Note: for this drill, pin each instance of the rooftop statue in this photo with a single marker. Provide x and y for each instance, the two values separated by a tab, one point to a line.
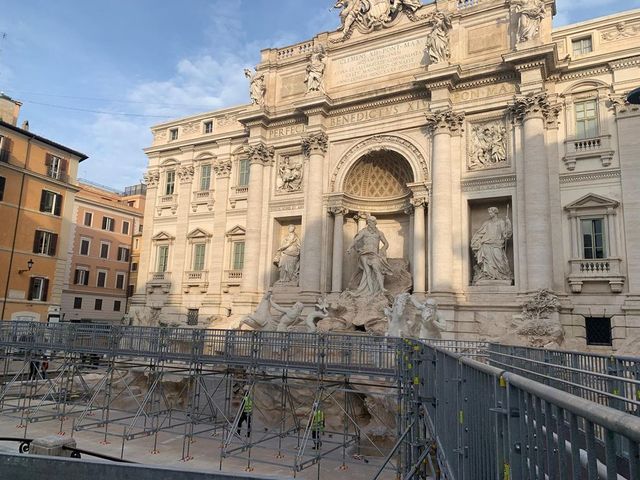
369	15
257	86
531	14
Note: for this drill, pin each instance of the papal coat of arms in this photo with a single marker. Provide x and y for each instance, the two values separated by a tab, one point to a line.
368	15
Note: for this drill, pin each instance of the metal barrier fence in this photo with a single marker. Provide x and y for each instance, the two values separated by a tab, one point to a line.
491	424
613	381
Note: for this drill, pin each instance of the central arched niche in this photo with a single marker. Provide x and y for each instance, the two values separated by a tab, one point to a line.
379	174
377	184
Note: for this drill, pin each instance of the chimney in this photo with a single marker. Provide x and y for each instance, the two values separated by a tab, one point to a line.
25	125
9	109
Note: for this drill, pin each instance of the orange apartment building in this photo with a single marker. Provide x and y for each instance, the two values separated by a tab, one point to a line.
98	281
38	183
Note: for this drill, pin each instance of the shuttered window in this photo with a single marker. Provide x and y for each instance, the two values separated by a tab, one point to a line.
38	289
2	183
51	202
45	243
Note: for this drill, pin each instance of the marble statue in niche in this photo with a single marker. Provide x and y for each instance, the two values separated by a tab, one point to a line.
531	13
437	46
287	258
257	87
488	146
289	174
315	70
489	244
372	260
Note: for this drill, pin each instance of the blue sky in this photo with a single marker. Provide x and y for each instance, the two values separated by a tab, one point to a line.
156	59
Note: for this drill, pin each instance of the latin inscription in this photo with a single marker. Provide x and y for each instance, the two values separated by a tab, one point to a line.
378	113
399	57
483	92
287	131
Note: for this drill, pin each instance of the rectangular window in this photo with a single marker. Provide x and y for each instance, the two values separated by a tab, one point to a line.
98	304
130	291
77	303
238	256
134	267
45	243
102	279
208	127
5	149
586	119
163	258
108	224
170	184
88	219
198	257
38	288
51	202
582	46
192	316
117	305
81	277
104	250
85	246
598	331
244	166
125	228
56	166
205	177
120	281
123	254
173	134
593	244
2	183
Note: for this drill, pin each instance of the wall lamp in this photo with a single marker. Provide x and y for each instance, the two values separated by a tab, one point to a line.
29	267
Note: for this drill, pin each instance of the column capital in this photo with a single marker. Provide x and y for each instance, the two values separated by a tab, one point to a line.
222	168
186	173
315	143
335	211
260	153
417	202
445	121
535	104
151	178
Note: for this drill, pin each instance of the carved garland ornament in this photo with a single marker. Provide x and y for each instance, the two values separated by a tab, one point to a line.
151	178
260	153
222	168
376	144
186	174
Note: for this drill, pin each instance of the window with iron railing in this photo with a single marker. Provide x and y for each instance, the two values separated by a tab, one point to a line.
586	119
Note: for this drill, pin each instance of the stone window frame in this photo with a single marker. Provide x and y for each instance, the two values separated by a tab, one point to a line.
106	278
82	240
198	237
235	235
162	239
122	275
207	127
579	39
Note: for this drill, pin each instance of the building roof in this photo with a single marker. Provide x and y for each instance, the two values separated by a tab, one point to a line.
27	133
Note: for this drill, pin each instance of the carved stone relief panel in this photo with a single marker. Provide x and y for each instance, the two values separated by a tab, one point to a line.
289	174
487	145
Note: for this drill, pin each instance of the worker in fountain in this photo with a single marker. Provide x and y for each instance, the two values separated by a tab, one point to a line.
247	411
372	259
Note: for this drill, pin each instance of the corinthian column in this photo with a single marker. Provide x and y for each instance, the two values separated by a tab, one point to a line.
534	110
419	245
338	248
314	148
442	125
259	155
222	170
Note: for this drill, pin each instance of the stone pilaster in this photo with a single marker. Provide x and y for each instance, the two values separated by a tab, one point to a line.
534	111
314	148
222	171
260	155
338	248
442	125
152	179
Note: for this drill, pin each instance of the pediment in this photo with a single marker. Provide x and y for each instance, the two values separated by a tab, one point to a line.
198	233
236	231
162	236
592	201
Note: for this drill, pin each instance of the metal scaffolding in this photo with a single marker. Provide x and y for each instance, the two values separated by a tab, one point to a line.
457	416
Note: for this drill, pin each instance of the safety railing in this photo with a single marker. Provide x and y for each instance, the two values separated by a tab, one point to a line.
613	381
490	423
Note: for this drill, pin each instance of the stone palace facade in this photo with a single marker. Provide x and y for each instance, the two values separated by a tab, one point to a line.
497	155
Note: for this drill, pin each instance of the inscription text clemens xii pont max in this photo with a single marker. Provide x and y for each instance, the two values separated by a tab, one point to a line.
387	60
